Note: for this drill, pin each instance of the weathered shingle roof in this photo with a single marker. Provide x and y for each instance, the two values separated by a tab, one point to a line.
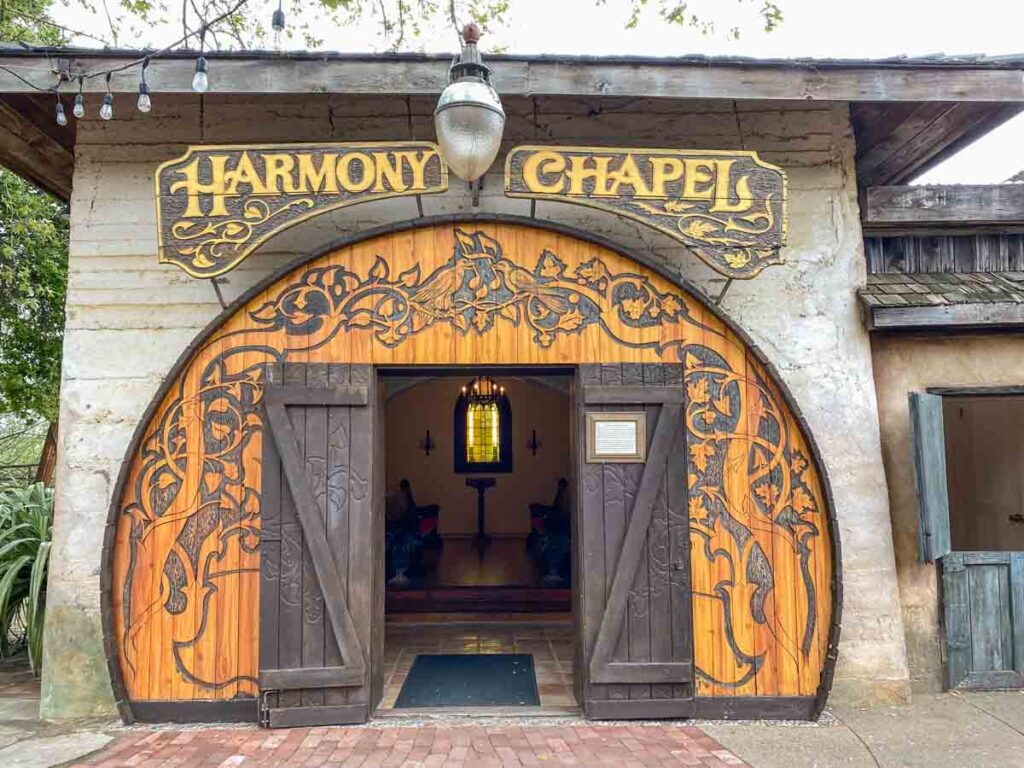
931	289
931	300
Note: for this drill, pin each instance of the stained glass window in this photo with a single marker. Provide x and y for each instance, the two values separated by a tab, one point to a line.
483	433
482	428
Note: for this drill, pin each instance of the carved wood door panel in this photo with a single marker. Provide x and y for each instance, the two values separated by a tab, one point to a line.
633	563
318	587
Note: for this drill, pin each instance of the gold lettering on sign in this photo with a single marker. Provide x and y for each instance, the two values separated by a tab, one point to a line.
728	207
215	205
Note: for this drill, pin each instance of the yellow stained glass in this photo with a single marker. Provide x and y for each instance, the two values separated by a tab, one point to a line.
483	433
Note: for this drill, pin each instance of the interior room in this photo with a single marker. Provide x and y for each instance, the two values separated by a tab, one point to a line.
985	472
478	539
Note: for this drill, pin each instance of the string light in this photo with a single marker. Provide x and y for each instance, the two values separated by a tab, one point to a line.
62	119
200	80
79	109
144	103
107	110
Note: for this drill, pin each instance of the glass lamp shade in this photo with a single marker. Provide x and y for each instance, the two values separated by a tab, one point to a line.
470	122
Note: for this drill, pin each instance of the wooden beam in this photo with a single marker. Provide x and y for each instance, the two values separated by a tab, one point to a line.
409	74
954	205
33	154
883	130
924	137
978	126
632	395
980	315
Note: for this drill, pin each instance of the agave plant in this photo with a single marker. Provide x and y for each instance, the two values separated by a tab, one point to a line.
26	520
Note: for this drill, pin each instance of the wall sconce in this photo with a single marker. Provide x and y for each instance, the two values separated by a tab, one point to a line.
533	443
427	443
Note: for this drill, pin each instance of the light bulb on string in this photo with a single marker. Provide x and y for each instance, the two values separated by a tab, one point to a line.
200	80
62	118
78	110
144	103
107	110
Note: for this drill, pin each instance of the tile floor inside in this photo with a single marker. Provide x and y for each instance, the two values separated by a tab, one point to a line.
549	642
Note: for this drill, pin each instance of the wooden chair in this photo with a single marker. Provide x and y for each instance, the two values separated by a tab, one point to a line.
410	530
428	515
540	514
549	541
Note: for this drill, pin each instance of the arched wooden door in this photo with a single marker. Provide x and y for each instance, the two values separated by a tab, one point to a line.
184	549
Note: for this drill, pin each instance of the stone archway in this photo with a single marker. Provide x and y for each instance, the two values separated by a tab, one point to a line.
183	544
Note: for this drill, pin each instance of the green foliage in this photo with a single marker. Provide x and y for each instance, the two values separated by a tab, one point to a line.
400	23
33	278
680	14
26	521
27	21
21	445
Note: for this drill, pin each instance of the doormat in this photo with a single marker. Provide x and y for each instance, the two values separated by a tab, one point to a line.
470	680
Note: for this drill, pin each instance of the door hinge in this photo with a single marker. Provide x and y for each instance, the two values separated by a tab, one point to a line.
264	718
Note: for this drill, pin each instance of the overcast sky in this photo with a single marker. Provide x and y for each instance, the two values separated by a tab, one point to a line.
817	28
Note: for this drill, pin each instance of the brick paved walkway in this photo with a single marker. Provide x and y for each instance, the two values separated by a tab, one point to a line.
597	745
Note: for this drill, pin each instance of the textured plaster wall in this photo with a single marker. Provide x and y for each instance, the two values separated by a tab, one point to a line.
906	364
129	317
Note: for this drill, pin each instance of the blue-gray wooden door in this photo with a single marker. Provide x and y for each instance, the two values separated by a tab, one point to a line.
983	602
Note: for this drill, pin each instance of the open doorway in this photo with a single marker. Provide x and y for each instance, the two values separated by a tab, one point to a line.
985	459
968	448
478	544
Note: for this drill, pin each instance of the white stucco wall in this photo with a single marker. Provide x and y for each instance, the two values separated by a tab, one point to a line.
129	317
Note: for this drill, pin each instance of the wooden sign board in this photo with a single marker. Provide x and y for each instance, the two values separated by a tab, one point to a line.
216	204
729	208
616	437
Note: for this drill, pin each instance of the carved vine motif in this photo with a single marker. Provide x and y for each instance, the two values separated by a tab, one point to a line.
217	240
738	239
192	512
477	288
218	524
733	418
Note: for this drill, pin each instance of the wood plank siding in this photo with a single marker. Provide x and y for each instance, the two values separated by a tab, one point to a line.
937	252
945	205
186	548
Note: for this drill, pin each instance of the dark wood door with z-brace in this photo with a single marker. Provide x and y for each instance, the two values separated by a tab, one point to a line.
320	604
635	658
